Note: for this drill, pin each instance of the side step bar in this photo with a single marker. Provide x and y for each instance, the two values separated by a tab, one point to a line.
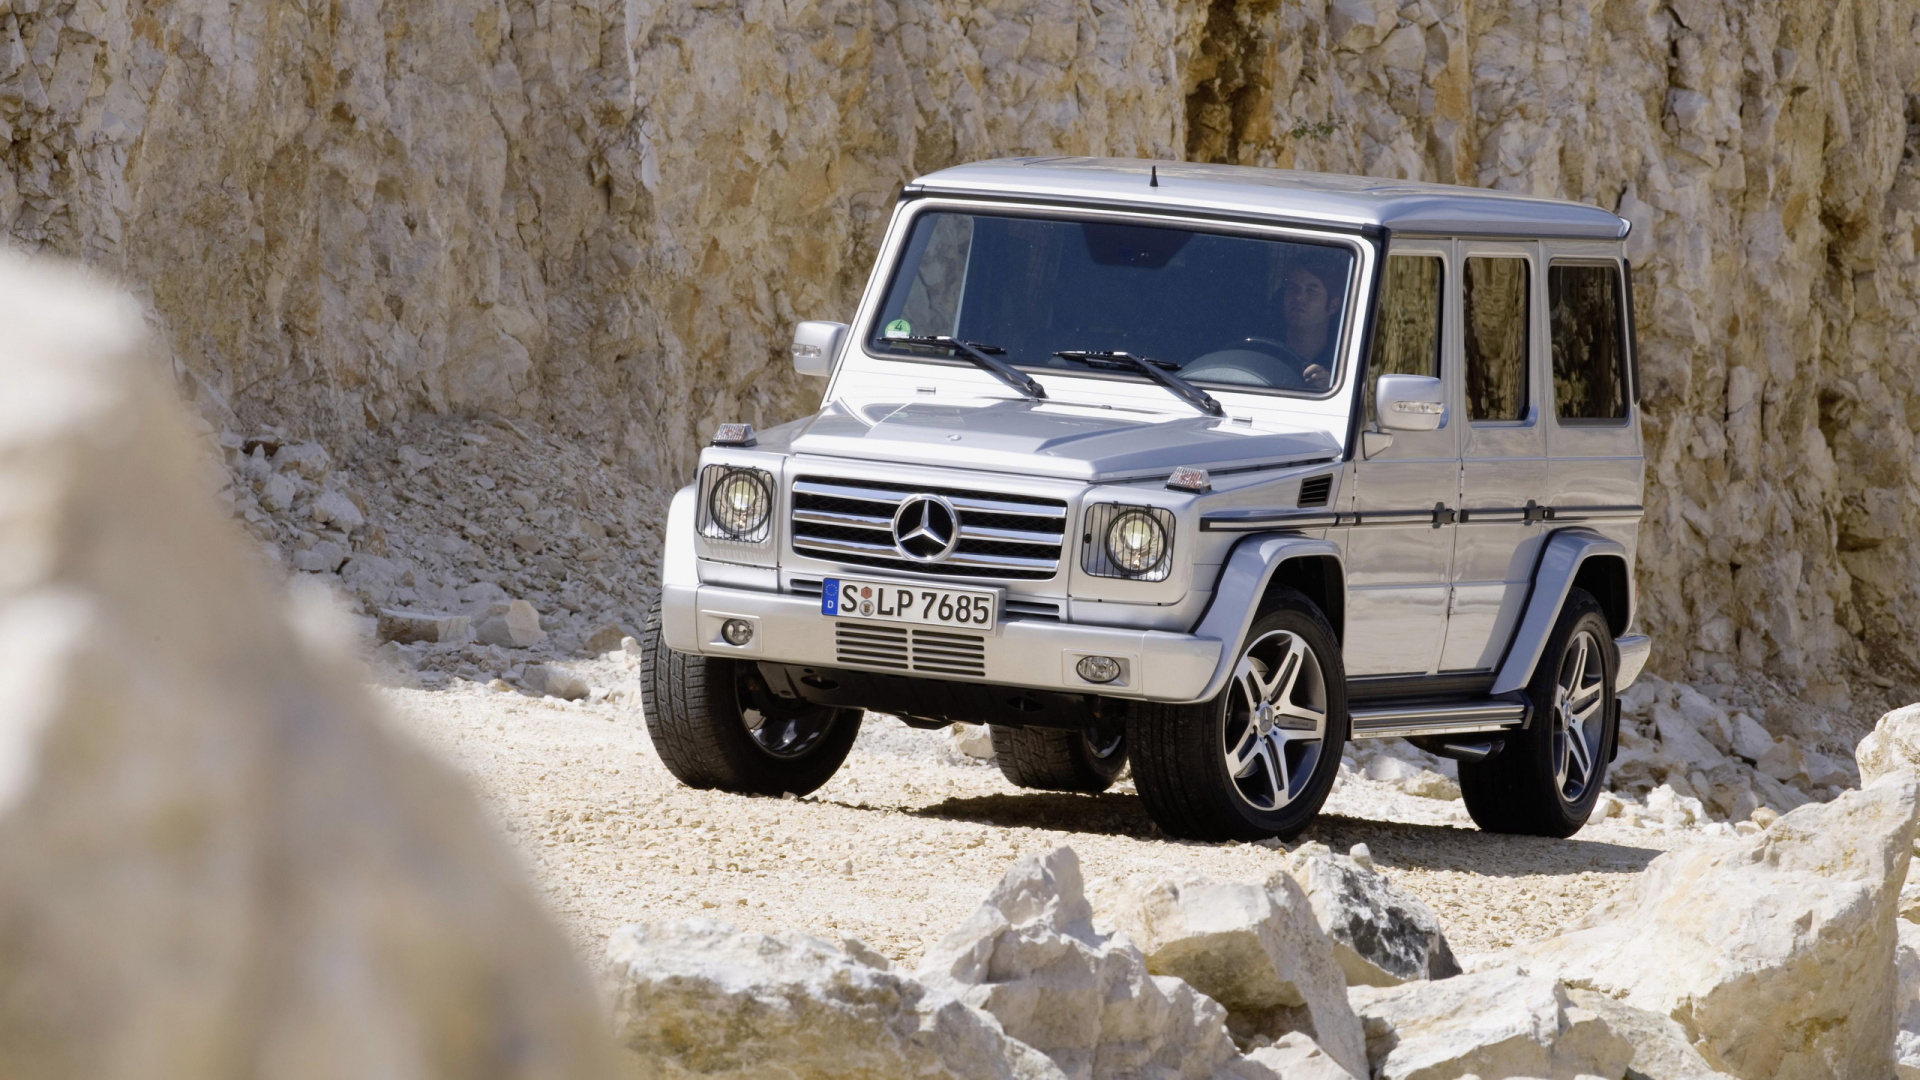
1458	718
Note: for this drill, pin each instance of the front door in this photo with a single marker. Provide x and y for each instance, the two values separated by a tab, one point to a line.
1400	547
1503	466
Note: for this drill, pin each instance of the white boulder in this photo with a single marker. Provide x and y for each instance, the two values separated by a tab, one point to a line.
698	998
555	681
1750	740
1906	1036
973	740
515	624
336	509
1257	950
1382	935
1031	957
214	859
1894	743
1661	1049
1774	951
1294	1056
1495	1023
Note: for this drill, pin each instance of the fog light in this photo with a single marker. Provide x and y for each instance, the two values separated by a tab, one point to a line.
736	631
1098	669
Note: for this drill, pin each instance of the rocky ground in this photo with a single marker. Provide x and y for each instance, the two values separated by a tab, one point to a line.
902	843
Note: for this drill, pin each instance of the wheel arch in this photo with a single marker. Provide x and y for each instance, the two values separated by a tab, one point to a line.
1570	557
1246	589
1605	575
1320	578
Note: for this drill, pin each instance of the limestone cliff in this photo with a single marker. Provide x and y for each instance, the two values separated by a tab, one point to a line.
605	217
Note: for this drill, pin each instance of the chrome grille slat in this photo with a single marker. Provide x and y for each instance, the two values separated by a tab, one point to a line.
1016	537
1012	536
960	502
852	521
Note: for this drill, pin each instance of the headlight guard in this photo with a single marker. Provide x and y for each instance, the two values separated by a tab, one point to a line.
736	504
1131	542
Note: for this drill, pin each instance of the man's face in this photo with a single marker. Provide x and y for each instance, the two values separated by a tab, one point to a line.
1303	299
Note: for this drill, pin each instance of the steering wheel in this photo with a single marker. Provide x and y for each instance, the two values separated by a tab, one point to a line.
1226	369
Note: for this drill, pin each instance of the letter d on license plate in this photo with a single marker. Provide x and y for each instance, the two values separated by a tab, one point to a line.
895	601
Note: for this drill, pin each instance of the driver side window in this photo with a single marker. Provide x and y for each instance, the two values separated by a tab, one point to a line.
1406	334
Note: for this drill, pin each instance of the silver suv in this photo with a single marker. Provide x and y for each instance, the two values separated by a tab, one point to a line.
1205	468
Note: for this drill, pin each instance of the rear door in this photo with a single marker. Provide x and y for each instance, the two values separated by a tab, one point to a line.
1594	473
1399	549
1503	460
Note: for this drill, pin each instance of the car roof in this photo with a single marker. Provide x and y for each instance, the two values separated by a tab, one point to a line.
1401	206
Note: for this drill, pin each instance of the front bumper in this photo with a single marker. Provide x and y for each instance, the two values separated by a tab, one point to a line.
1038	654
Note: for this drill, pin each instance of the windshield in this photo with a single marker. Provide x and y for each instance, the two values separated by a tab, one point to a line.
1240	312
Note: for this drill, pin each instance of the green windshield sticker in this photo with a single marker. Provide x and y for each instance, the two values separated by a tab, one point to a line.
898	328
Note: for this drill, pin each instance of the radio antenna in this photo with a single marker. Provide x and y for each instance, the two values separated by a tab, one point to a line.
1154	179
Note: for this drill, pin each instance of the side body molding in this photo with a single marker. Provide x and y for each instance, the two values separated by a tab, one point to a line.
1236	597
680	576
1560	563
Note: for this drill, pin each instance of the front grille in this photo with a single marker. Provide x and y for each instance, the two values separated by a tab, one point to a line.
1001	536
901	648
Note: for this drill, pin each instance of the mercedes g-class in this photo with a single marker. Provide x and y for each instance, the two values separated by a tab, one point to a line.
1204	469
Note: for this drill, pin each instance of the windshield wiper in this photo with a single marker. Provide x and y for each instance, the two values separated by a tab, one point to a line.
978	353
1160	371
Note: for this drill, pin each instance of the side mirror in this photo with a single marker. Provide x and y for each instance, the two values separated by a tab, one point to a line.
815	344
1410	402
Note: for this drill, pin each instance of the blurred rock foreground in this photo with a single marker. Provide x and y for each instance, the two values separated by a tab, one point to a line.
214	862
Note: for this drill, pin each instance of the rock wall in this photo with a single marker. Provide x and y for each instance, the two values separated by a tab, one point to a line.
604	217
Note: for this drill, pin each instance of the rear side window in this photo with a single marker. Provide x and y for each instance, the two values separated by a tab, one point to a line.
1588	342
1406	340
1496	338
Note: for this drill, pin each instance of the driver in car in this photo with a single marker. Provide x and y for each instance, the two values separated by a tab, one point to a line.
1302	311
1310	298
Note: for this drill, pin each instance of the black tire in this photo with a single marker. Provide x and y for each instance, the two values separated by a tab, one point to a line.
1180	752
698	710
1055	759
1536	786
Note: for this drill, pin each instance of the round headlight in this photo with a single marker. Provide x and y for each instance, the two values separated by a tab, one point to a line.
740	503
1136	542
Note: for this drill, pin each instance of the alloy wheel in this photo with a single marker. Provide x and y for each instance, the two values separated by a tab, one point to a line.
1579	699
1276	720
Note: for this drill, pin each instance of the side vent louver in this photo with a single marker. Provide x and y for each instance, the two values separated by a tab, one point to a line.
1315	489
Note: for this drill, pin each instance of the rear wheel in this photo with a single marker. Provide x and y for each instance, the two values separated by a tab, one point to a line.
1054	759
1546	780
1258	760
715	724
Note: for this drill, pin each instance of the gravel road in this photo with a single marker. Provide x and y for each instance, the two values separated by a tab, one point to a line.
903	842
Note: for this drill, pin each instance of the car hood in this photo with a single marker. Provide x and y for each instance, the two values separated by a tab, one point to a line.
1051	439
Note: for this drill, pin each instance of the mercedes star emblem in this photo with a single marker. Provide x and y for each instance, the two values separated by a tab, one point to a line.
926	528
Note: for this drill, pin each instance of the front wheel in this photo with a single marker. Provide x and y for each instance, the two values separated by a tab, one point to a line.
1258	760
1546	780
715	723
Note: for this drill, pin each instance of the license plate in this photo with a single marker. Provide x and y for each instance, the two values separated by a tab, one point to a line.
892	601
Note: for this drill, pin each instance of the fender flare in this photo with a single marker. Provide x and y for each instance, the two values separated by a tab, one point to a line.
1560	560
1241	585
679	575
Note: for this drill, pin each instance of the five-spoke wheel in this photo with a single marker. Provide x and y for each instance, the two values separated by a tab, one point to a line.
1551	772
1579	701
1259	759
1276	721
